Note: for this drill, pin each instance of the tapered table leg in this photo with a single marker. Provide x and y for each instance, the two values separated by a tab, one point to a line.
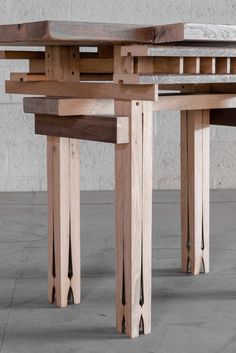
133	164
63	220
195	191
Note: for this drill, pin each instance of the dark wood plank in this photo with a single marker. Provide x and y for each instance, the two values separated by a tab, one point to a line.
73	33
21	55
111	129
79	33
225	117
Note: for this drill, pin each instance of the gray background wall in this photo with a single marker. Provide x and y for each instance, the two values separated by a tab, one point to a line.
23	155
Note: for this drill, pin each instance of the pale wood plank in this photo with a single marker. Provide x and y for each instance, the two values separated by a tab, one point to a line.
68	106
140	50
174	79
84	90
195	32
194	102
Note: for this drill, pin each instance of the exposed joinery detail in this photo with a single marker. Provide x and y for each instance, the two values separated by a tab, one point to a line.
170	61
75	63
195	190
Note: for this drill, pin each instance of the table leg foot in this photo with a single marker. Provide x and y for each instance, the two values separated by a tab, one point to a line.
195	191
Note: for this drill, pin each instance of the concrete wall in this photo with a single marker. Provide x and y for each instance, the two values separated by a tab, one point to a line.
22	155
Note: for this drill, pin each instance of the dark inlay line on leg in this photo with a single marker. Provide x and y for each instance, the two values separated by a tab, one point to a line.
141	299
123	324
141	325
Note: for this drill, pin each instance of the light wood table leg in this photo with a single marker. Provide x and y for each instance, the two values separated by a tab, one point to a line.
133	164
63	220
63	161
195	191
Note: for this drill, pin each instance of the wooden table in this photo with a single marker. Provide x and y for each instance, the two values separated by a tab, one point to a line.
102	82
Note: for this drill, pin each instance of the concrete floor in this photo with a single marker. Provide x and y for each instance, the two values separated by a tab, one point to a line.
190	314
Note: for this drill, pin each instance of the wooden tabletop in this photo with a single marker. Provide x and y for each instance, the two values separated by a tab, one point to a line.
45	33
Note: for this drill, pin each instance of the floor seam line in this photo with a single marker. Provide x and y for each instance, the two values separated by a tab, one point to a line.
8	314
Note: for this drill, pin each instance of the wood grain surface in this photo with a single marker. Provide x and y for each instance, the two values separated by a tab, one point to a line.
111	129
72	33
